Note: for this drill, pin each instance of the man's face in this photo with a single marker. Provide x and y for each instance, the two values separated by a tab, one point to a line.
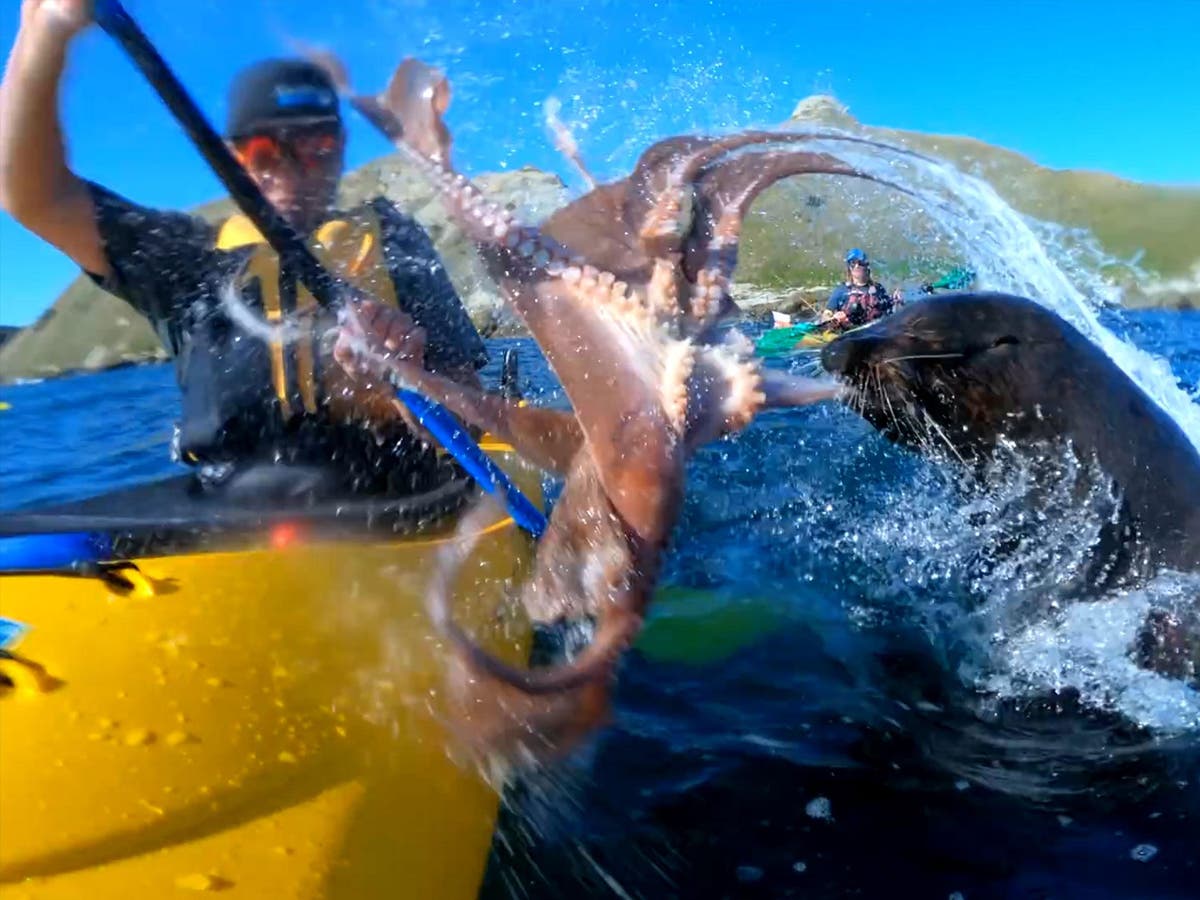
297	169
860	271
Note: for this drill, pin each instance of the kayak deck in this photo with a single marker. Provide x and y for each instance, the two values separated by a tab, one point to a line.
262	720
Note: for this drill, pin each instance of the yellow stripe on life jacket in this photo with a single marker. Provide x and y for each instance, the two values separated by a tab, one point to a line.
350	247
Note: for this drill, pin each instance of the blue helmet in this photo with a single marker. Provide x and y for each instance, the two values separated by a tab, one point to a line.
856	255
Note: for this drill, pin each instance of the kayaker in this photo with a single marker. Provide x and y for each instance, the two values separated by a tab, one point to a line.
860	299
248	405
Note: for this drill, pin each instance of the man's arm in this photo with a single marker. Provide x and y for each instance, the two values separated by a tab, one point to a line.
381	340
37	187
834	309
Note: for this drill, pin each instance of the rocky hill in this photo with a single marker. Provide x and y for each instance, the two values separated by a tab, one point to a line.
798	230
792	251
87	329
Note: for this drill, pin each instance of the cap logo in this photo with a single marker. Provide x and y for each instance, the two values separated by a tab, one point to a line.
305	96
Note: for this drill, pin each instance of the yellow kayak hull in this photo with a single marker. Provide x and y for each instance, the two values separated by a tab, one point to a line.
819	339
263	722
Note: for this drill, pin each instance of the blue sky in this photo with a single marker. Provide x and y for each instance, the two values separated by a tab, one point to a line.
1096	85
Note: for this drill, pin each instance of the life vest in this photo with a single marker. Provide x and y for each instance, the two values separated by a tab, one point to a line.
350	247
866	303
242	396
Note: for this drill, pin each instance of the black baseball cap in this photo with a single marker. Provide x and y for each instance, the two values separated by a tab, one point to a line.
280	92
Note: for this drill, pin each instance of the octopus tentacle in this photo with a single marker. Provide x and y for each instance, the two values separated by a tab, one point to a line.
610	364
661	199
613	325
597	659
565	143
500	705
725	190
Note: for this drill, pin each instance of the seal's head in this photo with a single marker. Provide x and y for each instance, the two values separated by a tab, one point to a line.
960	371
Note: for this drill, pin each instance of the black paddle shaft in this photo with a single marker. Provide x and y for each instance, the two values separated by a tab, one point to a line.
293	252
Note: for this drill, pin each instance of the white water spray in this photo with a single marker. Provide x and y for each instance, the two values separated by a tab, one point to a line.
1020	255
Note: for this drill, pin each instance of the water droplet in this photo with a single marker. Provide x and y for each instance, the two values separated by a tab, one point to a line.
820	808
1144	852
799	867
139	737
286	757
201	882
961	784
176	738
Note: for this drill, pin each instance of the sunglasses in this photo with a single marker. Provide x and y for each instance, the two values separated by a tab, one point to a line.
309	150
860	262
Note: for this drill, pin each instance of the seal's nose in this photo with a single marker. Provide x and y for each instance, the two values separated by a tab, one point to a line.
846	354
836	356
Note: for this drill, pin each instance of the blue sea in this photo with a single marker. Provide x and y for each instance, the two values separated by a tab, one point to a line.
812	711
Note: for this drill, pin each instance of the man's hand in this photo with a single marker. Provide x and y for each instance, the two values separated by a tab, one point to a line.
375	341
378	339
70	16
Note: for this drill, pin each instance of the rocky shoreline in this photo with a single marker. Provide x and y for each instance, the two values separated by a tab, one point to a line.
492	320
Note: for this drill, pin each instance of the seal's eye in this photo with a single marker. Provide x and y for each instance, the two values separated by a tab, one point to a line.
1007	339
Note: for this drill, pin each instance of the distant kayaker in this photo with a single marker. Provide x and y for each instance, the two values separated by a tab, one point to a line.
860	299
246	402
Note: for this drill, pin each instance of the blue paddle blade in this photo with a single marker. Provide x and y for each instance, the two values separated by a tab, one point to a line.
478	464
27	552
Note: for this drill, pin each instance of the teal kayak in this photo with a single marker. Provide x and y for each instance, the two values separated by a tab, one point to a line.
790	338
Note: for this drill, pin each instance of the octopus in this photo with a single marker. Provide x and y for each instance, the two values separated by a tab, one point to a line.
625	291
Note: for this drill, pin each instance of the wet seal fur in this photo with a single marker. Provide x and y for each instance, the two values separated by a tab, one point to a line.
979	369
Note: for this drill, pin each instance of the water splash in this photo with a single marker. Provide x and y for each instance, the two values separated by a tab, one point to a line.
1085	648
989	570
1055	265
987	566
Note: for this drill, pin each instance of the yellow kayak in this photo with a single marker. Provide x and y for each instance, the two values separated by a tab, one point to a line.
259	719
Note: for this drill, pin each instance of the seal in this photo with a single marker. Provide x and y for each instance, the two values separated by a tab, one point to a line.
965	372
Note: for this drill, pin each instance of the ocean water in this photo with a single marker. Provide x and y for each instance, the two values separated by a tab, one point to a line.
811	711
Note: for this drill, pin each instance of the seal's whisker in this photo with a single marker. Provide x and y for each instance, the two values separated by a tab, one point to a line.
937	429
862	393
896	359
875	381
886	398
